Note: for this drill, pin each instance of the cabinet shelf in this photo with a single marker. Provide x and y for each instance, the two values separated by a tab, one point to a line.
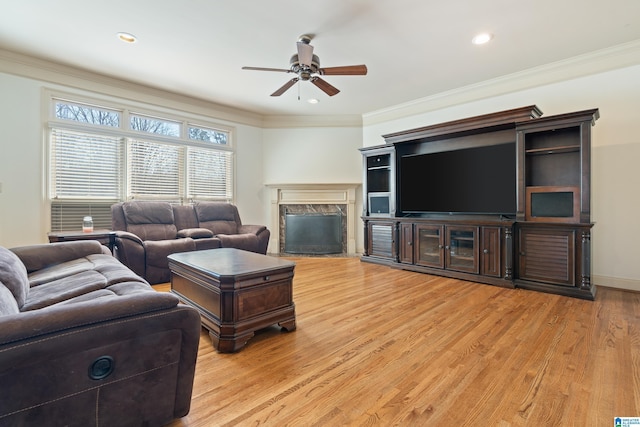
552	150
463	258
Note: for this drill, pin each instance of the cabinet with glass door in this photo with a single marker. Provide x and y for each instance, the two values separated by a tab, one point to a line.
429	245
461	249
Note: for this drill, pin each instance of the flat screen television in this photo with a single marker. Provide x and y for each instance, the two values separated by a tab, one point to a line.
477	180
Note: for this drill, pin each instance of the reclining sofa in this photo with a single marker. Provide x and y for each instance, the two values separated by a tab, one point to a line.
86	342
146	232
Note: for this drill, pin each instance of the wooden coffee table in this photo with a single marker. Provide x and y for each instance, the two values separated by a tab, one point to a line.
236	292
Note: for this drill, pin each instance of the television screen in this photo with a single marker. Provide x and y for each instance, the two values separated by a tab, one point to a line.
479	180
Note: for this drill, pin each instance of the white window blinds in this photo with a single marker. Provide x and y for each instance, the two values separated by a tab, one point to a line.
155	170
85	165
210	174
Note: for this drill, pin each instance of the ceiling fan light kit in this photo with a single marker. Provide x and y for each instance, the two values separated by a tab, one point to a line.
306	66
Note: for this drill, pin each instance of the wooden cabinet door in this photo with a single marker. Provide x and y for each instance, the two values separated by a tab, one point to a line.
381	239
547	256
429	245
406	243
491	252
461	249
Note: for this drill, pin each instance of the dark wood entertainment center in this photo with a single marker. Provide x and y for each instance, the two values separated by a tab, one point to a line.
530	230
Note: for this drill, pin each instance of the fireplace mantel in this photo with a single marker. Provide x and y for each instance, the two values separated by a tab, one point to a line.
298	194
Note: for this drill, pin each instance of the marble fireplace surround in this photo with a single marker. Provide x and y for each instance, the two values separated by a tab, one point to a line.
312	194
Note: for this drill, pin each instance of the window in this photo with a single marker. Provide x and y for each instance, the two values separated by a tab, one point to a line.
154	125
86	114
155	170
99	155
85	165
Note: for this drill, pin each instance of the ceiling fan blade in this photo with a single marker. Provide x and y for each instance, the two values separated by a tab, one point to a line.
324	86
285	87
347	70
283	70
305	53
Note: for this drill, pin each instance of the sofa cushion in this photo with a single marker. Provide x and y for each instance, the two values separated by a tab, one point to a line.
208	243
246	242
150	220
39	256
112	270
59	271
157	264
13	275
8	304
184	217
63	289
219	217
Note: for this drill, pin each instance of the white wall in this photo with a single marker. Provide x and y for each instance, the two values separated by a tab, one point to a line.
615	155
21	162
250	194
312	155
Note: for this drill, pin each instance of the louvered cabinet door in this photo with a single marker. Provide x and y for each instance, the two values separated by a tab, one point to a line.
547	256
382	239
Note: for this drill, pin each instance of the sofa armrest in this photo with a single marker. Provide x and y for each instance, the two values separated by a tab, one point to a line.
60	317
125	235
195	233
251	229
37	257
129	250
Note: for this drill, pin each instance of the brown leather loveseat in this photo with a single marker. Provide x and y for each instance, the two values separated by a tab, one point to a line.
86	342
146	232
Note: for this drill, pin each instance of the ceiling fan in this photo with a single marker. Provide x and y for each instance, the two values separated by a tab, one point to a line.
307	67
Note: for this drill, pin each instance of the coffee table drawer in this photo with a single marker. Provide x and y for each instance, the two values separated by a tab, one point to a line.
240	283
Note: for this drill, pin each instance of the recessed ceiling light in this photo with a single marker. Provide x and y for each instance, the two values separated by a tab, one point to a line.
482	38
313	101
127	37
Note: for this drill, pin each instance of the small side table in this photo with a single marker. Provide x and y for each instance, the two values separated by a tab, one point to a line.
106	237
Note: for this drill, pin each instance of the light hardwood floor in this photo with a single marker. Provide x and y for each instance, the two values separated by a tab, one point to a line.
380	346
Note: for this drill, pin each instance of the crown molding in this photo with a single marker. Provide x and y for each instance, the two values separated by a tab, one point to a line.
335	121
56	73
616	57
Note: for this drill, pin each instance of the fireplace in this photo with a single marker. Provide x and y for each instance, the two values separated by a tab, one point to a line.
313	233
331	204
313	229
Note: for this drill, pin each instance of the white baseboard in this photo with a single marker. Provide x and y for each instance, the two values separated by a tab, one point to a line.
616	282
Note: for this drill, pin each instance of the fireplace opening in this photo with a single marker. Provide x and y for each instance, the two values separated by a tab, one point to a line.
313	233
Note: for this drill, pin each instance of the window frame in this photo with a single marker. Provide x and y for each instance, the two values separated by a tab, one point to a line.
128	136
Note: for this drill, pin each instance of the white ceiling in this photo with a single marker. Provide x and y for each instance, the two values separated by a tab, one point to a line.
412	48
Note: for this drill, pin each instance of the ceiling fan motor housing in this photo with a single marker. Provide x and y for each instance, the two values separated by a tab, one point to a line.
304	71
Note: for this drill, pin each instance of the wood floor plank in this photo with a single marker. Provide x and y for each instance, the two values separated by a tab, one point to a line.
381	346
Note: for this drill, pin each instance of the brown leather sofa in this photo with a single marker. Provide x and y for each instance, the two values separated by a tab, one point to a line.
86	342
146	232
